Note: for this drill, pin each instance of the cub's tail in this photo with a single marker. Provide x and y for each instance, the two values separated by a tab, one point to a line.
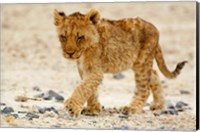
163	68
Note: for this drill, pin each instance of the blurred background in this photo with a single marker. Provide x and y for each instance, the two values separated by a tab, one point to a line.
31	53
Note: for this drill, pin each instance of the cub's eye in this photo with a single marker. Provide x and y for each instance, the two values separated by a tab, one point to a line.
63	38
80	39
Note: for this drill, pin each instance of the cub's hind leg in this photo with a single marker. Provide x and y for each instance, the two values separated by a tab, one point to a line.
157	91
142	78
93	106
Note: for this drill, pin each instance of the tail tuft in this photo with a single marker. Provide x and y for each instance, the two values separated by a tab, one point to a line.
179	67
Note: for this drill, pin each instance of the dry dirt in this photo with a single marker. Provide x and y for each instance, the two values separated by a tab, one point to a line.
31	56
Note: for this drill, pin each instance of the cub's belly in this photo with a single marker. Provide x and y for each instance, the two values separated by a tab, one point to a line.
117	65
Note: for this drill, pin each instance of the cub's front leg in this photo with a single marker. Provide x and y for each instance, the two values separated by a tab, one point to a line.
83	92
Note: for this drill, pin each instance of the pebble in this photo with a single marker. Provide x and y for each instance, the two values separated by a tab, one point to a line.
170	105
43	110
36	88
7	110
160	128
93	121
184	92
41	95
30	116
50	94
15	115
181	104
169	111
118	76
22	112
2	104
59	98
123	116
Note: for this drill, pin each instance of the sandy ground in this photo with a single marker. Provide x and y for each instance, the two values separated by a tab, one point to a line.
31	56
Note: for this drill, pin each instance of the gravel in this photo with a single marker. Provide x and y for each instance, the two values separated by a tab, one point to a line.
7	110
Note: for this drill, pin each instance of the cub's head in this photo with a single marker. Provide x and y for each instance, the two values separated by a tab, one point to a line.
76	32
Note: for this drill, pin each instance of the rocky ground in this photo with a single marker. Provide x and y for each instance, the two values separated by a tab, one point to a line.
35	78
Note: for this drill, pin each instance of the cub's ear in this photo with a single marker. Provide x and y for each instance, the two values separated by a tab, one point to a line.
93	16
59	18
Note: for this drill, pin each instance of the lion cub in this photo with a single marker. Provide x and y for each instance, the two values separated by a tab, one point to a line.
107	46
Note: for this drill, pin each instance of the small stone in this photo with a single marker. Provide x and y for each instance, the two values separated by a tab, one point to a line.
15	115
54	110
36	88
55	126
41	110
184	92
169	111
181	104
30	116
156	114
41	95
125	128
118	76
59	98
7	110
163	82
123	116
161	128
93	121
170	105
50	94
2	104
22	112
47	97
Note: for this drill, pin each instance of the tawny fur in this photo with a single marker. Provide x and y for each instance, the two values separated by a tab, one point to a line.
104	46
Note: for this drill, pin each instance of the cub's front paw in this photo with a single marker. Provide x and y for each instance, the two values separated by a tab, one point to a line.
157	106
127	110
92	110
73	107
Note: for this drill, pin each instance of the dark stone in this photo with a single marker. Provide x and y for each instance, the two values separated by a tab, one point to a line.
118	76
30	116
170	105
7	110
181	104
41	110
184	92
169	111
54	110
163	82
59	98
47	97
22	112
15	115
2	104
55	126
93	121
161	128
156	114
50	94
125	127
36	88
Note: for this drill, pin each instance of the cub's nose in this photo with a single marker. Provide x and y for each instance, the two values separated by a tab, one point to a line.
71	52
